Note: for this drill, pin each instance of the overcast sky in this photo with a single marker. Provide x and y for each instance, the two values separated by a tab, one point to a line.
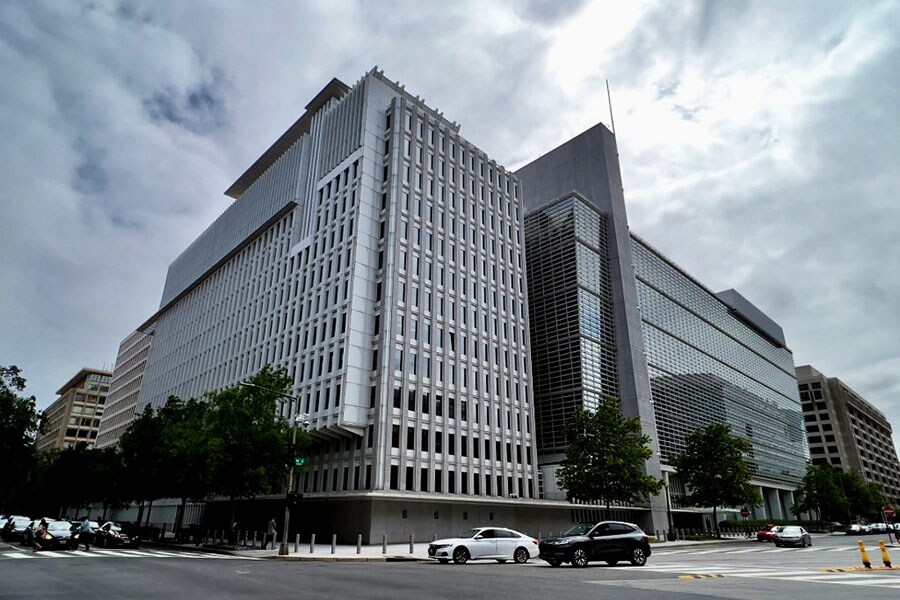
759	144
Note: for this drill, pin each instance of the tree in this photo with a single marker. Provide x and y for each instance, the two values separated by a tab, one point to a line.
714	470
19	425
249	444
188	433
605	457
145	461
863	499
820	492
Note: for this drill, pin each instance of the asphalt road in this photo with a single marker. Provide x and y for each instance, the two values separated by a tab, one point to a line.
744	571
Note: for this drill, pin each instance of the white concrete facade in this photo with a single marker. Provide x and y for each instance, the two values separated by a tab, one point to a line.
378	257
125	388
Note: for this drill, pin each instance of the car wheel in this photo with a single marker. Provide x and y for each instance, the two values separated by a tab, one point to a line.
579	557
554	562
638	557
461	556
612	563
520	556
443	561
778	544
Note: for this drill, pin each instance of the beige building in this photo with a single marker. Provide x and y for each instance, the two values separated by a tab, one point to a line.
846	431
75	416
125	388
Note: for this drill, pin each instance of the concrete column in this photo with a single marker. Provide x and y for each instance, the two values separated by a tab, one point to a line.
760	512
773	503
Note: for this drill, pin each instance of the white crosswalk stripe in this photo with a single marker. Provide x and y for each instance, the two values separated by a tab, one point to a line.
883	579
119	553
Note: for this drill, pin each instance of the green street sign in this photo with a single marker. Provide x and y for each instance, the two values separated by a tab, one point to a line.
299	461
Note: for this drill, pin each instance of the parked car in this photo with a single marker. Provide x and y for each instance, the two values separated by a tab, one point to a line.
59	535
110	535
14	529
792	535
496	543
767	533
609	541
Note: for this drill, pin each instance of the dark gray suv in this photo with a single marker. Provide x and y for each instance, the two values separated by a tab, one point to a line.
609	541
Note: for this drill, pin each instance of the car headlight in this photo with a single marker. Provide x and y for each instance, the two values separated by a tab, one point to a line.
75	536
563	541
439	546
47	536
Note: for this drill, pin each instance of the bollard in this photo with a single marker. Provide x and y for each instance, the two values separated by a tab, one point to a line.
206	537
359	543
410	543
865	557
312	543
658	539
384	543
254	539
884	555
333	542
433	537
297	544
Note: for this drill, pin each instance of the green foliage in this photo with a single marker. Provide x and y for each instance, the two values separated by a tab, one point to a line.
605	457
835	495
248	446
714	470
19	425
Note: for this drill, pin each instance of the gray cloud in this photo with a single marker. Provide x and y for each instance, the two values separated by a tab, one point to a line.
757	145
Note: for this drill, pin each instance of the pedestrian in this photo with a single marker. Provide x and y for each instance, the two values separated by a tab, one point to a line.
85	534
270	533
39	535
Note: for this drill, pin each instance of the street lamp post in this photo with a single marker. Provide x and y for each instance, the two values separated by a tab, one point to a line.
299	419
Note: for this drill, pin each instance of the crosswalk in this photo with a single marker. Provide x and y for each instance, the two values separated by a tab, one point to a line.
768	549
118	553
875	577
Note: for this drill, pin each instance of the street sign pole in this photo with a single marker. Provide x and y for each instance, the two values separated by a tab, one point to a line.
887	515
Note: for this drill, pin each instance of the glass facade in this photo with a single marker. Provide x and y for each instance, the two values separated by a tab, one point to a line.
706	366
570	299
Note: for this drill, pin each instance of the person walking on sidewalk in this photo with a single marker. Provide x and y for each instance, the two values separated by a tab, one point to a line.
270	533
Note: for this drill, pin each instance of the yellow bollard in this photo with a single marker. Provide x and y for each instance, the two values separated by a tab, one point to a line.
884	555
865	557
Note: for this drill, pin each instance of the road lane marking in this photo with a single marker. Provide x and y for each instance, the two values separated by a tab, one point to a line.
16	555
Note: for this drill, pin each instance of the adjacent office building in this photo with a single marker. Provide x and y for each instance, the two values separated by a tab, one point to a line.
611	316
125	388
74	418
378	256
847	432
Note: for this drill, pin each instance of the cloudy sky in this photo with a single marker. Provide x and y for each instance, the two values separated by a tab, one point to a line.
759	144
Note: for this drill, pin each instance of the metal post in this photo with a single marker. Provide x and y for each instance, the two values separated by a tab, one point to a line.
312	543
254	539
333	542
411	543
297	544
359	543
384	543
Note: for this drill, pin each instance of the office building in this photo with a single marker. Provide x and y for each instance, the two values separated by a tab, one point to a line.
847	432
378	256
74	417
125	388
611	316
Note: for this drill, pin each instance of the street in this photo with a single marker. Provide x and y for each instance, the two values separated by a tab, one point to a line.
734	570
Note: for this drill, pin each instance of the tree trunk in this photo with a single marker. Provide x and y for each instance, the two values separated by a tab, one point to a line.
716	522
105	507
140	515
149	510
608	511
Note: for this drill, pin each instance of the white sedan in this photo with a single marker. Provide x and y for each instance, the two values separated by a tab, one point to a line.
496	543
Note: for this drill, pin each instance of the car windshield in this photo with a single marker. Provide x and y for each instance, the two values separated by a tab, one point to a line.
114	527
469	534
579	529
58	526
791	530
21	522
